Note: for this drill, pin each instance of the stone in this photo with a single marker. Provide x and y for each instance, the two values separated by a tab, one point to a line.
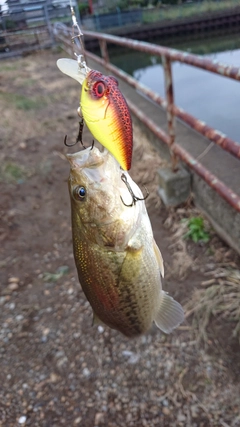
166	411
181	417
99	418
13	286
174	187
13	279
23	145
22	419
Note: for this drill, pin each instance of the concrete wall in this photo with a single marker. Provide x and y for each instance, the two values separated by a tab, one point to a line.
224	219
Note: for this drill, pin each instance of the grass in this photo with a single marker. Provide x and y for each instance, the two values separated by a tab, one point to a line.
23	102
29	82
12	172
186	10
5	68
54	277
196	230
220	298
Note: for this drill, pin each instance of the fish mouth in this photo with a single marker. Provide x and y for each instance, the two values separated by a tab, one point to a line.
89	166
79	159
89	158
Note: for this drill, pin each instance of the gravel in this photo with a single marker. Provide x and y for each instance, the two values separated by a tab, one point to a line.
56	369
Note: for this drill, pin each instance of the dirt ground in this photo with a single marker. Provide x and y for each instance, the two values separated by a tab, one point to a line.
56	369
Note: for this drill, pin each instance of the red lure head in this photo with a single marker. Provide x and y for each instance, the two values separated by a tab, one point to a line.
100	85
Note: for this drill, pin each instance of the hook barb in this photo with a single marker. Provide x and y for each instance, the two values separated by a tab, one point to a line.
79	136
134	198
68	145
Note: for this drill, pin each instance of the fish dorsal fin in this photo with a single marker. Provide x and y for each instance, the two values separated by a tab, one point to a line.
170	314
159	257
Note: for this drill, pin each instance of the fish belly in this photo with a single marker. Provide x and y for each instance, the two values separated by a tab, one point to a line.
119	287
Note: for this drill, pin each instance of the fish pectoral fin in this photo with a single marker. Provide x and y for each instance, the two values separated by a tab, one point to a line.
159	257
170	314
134	245
96	321
131	266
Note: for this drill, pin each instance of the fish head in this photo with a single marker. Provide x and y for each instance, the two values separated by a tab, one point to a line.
86	184
97	194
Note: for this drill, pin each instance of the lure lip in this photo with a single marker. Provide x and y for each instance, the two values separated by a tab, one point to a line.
72	68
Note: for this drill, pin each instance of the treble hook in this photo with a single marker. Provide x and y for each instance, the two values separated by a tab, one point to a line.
79	137
134	198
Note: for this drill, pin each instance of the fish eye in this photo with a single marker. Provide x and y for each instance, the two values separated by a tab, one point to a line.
79	193
99	89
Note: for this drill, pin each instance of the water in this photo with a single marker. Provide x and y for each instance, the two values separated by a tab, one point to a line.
210	97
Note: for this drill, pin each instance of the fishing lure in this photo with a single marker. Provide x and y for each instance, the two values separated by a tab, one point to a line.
103	108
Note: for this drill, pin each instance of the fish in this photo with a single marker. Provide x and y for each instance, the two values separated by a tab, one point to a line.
118	261
104	110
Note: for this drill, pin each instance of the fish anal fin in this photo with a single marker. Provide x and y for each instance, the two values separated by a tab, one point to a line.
96	321
159	257
170	314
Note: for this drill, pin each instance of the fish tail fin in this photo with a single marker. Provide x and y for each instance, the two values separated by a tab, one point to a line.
170	313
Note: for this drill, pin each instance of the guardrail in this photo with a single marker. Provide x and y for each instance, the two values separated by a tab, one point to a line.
169	55
27	26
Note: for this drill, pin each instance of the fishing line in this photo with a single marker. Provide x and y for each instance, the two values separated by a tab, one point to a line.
77	40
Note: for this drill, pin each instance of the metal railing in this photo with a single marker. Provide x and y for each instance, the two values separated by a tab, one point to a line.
169	55
27	26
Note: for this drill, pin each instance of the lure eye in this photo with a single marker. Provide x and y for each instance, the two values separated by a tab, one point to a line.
99	89
79	193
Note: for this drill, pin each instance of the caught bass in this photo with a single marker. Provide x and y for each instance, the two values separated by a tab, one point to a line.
104	110
119	264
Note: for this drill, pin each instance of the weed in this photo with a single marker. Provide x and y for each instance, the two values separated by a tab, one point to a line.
29	82
23	102
6	68
13	172
53	277
185	10
220	298
196	230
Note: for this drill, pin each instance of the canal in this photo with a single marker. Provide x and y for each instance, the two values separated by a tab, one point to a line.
210	97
